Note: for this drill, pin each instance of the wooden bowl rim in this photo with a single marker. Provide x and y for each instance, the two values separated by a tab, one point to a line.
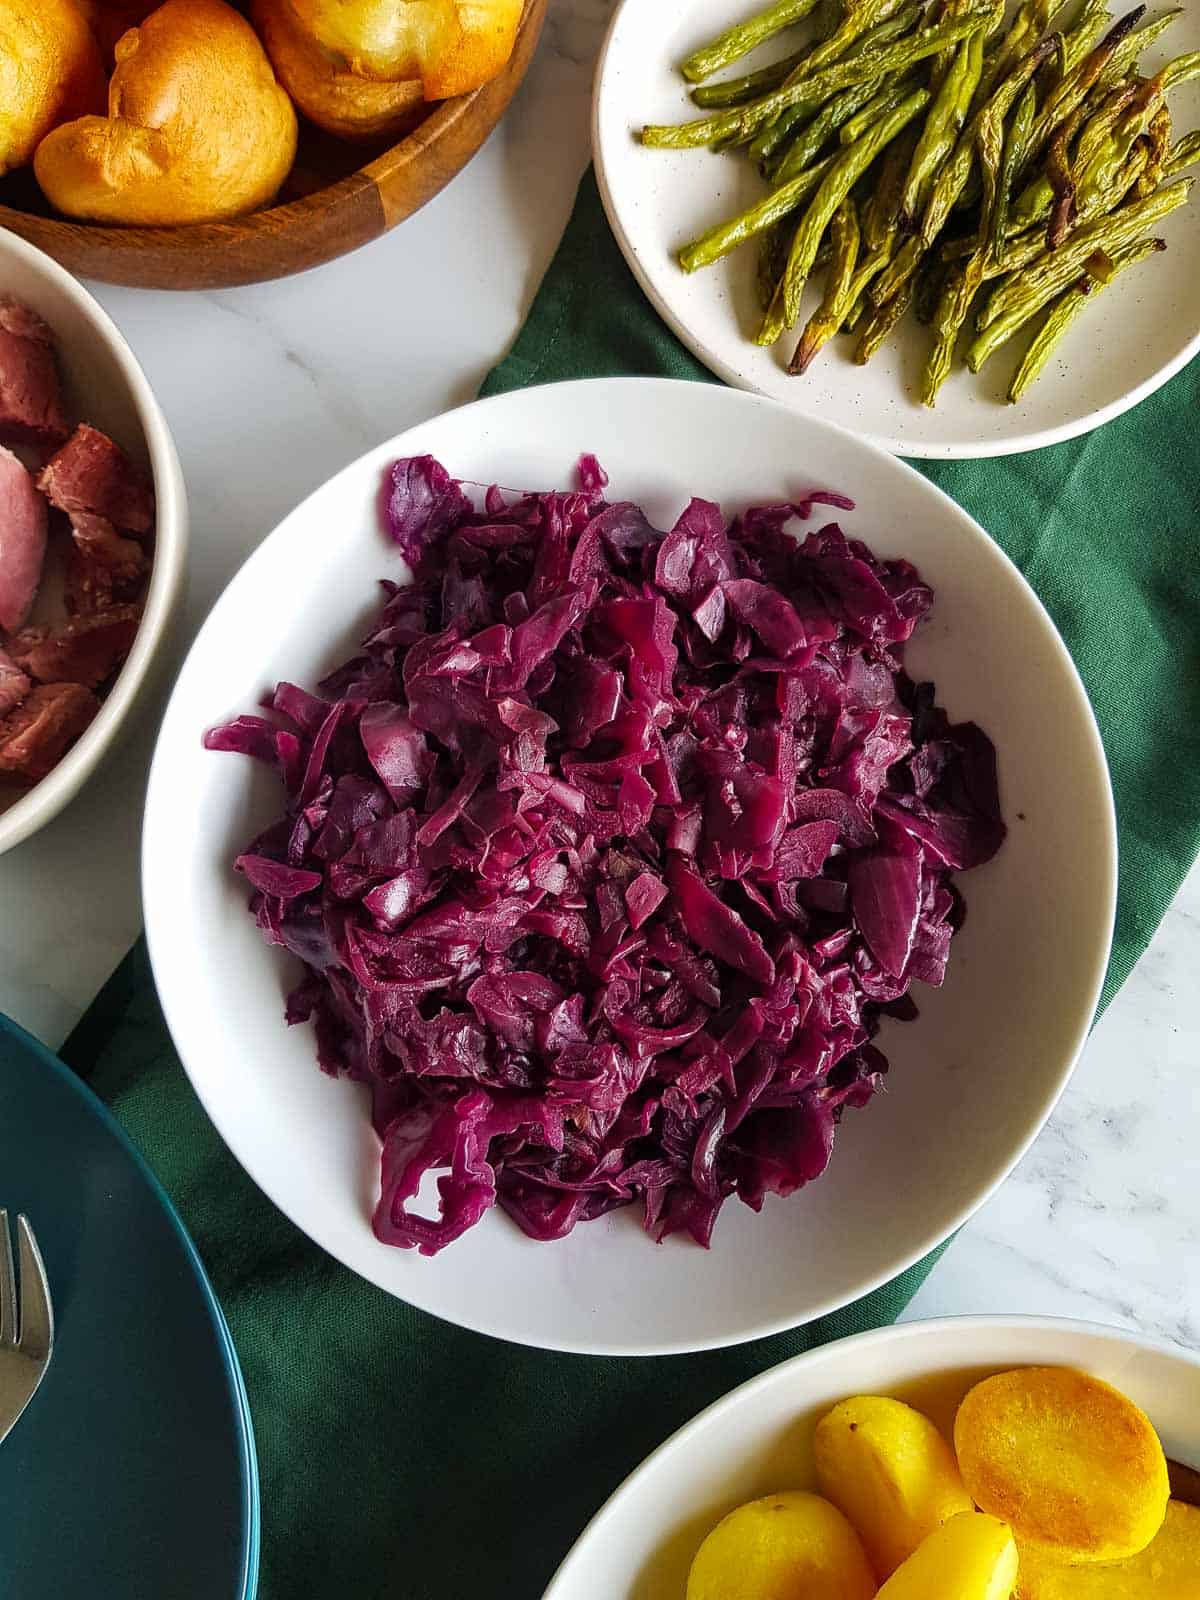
279	219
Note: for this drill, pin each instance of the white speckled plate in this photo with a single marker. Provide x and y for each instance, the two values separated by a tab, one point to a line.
1140	333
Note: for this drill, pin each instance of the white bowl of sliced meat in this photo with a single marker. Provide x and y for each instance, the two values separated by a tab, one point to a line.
93	532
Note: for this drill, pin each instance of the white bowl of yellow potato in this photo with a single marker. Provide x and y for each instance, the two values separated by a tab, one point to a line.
766	1443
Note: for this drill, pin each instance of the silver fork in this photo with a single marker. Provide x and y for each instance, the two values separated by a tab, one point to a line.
26	1323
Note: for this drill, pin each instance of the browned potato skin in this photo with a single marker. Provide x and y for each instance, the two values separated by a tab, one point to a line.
109	19
890	1471
50	71
1167	1569
1067	1460
787	1546
197	127
487	31
324	88
453	46
376	38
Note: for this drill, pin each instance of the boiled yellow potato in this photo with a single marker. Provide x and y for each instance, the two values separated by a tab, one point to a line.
890	1471
971	1557
1167	1569
788	1546
1072	1464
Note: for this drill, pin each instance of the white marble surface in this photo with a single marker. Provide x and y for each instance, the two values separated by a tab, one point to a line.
268	391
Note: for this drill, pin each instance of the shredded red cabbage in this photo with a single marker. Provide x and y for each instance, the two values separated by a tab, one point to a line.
609	850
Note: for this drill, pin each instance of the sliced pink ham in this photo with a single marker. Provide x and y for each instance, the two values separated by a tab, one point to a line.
31	408
92	476
104	568
14	684
22	540
86	650
35	736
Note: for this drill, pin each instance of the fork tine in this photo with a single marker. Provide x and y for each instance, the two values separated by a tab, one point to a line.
8	1287
37	1314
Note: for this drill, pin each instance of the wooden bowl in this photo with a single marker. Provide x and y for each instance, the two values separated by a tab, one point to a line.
333	201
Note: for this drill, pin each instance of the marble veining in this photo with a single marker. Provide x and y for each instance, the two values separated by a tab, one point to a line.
269	390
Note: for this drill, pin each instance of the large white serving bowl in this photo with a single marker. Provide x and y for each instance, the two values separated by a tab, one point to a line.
758	1439
1138	334
104	385
972	1081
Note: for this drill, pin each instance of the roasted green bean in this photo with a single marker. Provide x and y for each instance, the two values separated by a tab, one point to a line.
928	283
811	140
1104	145
1159	147
944	124
1065	310
845	172
1125	56
958	294
881	212
1061	179
773	325
1080	38
881	322
1184	154
744	121
880	105
743	37
739	91
952	179
1023	296
726	236
949	319
773	246
1028	25
1055	268
856	21
846	239
770	145
1016	143
1077	83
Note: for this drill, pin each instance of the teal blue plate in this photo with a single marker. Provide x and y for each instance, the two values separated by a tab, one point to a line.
132	1474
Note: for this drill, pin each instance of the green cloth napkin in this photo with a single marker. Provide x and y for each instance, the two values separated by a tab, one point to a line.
401	1457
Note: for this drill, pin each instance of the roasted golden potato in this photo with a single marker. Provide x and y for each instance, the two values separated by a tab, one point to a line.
50	70
453	46
109	19
197	127
381	39
890	1471
1167	1569
483	40
788	1546
970	1557
323	86
1072	1464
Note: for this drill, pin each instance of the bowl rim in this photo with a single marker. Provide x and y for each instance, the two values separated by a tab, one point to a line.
950	1327
161	912
49	796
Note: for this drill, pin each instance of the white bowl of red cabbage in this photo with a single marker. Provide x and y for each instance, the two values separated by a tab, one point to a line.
645	886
